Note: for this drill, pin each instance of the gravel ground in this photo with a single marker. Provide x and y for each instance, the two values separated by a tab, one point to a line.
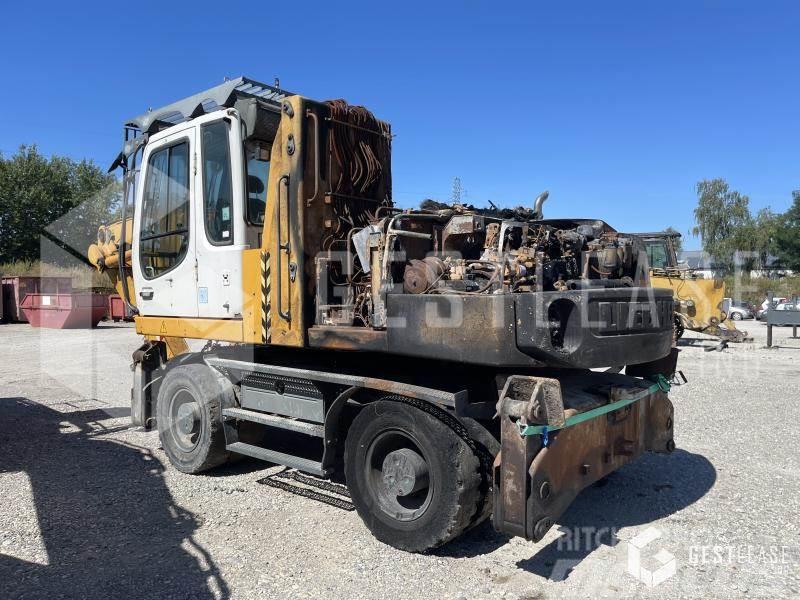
90	508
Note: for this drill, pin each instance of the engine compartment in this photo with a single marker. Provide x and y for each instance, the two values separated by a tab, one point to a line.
466	251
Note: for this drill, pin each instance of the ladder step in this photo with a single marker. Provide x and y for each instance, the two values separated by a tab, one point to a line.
279	458
274	421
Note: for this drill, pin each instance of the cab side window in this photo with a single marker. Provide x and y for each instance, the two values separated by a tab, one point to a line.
164	234
217	186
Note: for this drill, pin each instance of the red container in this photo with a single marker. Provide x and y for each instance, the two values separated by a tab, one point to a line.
65	311
117	310
14	290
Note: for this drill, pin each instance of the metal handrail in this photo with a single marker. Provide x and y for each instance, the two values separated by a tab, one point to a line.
281	246
311	115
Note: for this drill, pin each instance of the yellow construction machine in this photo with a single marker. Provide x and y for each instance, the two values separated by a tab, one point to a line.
699	302
442	359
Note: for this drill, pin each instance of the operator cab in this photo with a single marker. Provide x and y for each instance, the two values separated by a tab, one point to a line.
199	197
660	248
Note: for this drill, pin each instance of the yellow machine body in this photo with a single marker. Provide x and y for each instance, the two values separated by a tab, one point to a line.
699	302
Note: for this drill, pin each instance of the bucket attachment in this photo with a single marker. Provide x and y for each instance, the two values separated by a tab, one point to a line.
537	476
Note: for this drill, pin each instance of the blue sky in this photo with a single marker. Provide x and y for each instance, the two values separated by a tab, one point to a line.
618	108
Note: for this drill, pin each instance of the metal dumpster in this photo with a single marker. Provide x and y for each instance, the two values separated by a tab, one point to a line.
65	311
117	311
14	290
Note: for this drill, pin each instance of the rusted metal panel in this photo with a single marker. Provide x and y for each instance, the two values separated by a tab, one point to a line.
441	397
522	330
283	238
536	478
538	399
347	338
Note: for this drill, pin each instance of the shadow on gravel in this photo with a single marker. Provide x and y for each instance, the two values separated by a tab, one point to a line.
108	522
481	540
653	487
697	342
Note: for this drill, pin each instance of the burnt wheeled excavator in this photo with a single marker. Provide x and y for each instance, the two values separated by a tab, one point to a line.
440	359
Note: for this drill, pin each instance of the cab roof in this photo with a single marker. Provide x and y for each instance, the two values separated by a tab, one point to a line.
221	96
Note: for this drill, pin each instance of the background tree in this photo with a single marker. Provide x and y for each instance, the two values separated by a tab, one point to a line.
767	224
57	196
787	235
723	220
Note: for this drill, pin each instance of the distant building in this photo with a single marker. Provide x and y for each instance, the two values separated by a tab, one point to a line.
772	270
706	266
703	264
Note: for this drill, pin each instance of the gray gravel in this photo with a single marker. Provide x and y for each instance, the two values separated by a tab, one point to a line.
89	508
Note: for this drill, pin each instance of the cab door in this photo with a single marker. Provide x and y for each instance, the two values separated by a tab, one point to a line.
163	255
219	218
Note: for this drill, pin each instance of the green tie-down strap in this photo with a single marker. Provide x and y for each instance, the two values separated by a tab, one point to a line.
660	384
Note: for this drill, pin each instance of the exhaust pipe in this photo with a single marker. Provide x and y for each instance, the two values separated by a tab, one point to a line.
537	207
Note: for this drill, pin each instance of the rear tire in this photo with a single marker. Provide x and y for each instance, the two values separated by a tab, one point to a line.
736	316
678	328
414	480
189	416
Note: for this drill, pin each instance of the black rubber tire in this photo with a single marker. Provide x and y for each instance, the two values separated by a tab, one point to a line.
454	467
212	392
486	447
678	328
736	316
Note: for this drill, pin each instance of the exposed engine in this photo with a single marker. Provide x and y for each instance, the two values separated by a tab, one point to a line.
461	250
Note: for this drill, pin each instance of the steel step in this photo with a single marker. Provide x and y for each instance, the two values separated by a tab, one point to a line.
279	458
274	421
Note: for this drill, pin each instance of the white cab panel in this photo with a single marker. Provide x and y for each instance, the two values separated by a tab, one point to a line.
163	255
219	218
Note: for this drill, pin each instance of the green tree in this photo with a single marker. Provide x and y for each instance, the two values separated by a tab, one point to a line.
787	235
723	220
767	224
63	199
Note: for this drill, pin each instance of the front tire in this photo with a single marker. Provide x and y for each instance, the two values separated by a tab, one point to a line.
736	316
189	416
414	480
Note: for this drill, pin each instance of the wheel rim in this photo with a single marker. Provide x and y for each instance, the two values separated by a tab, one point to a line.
186	421
398	476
